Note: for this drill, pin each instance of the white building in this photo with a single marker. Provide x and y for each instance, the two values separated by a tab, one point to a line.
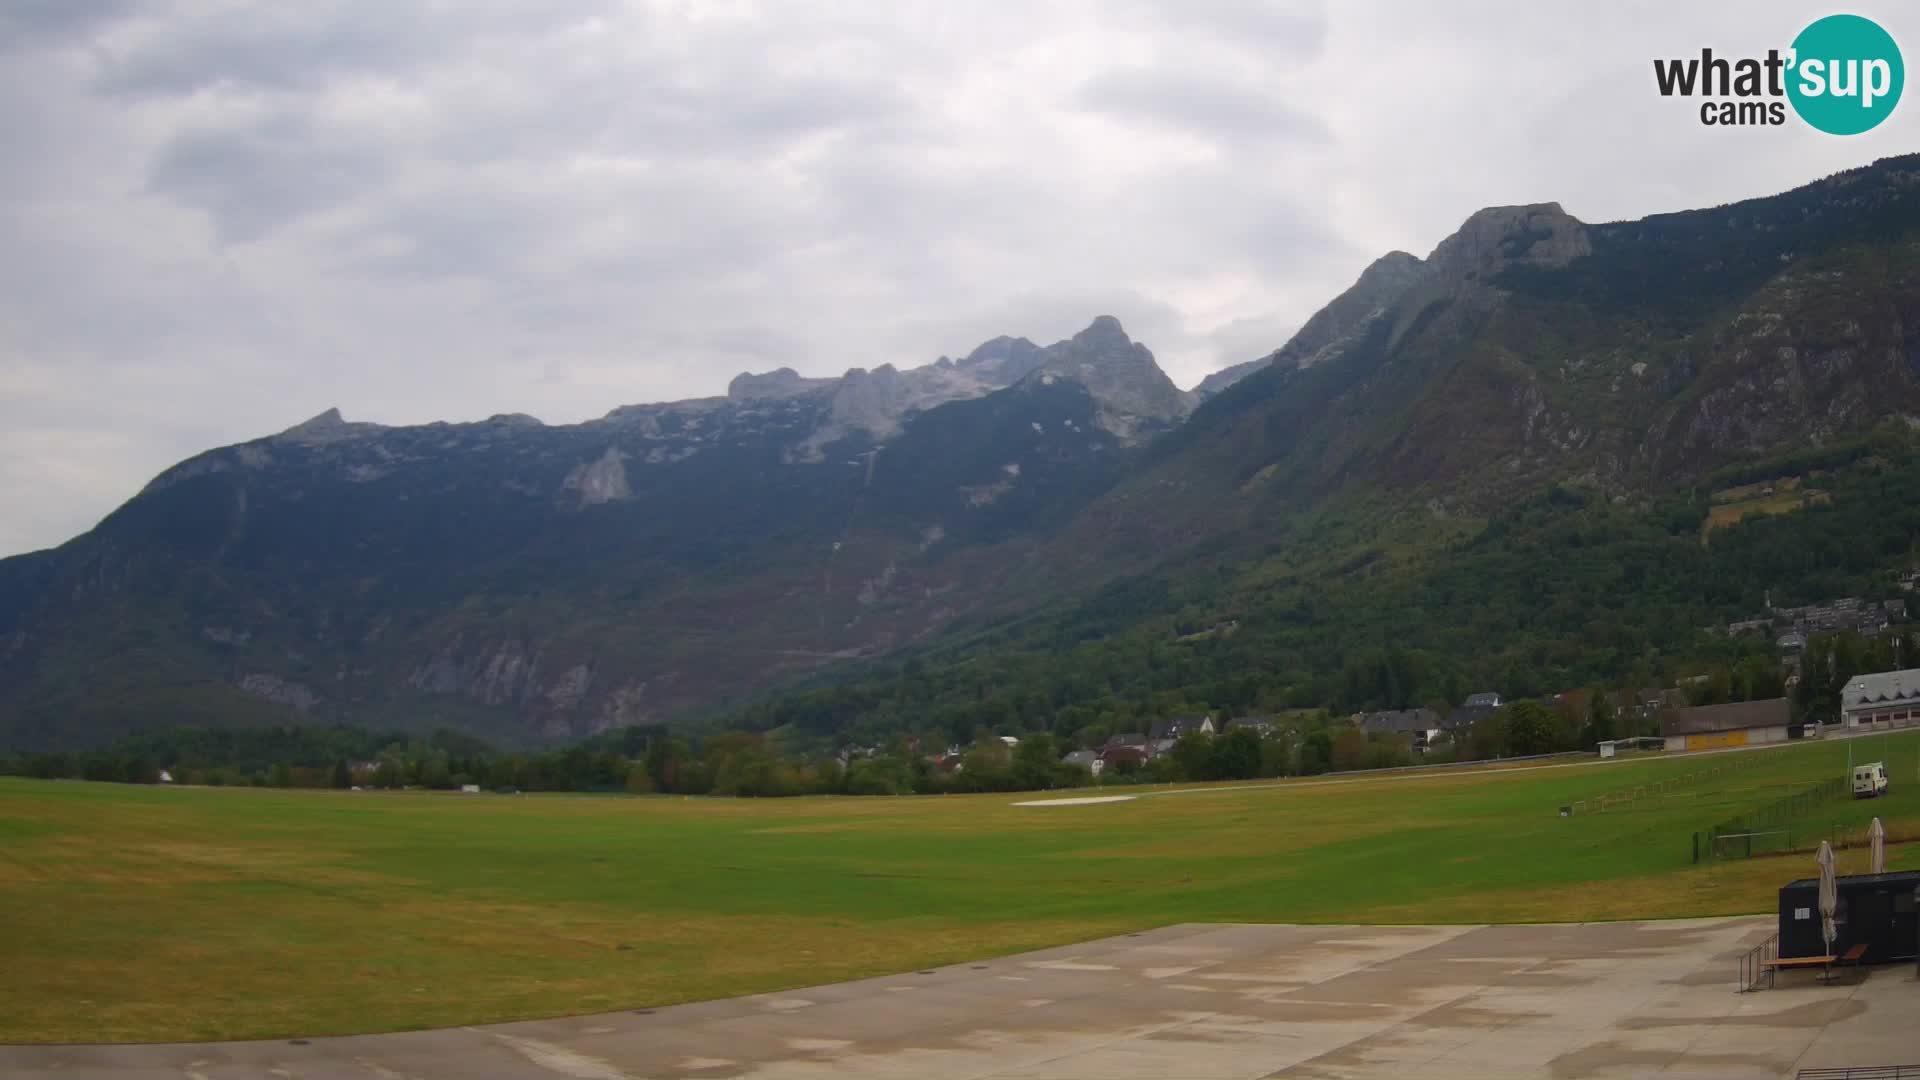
1885	701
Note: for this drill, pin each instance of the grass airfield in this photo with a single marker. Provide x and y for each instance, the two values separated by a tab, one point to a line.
154	914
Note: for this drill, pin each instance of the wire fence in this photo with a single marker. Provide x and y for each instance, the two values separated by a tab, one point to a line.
1625	797
1855	837
1801	837
1771	828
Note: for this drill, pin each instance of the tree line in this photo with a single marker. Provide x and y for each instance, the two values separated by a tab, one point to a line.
1301	742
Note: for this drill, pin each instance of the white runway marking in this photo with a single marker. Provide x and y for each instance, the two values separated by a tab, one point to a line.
1085	801
556	1058
1069	965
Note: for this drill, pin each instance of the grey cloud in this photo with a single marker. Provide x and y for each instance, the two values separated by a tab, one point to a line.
1275	29
272	46
456	232
1234	205
302	46
255	178
881	193
494	206
656	104
26	24
1200	101
1274	235
513	226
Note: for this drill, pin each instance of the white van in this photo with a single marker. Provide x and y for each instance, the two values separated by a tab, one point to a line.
1870	780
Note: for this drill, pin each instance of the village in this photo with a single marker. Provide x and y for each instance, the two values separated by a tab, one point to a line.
1693	714
1406	737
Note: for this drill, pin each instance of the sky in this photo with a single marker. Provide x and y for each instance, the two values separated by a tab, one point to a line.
218	219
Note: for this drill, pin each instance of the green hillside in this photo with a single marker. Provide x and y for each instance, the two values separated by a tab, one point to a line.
1368	607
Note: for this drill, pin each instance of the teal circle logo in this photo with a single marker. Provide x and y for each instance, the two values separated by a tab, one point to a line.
1846	75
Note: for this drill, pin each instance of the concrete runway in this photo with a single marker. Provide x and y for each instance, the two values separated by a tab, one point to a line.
1180	1003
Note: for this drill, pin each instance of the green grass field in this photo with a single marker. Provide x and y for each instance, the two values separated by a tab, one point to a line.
132	914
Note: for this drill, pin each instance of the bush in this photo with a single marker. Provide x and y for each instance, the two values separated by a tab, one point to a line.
1531	728
1389	752
879	776
1237	755
1316	754
1349	750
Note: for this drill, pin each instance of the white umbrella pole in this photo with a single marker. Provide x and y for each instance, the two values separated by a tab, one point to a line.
1829	894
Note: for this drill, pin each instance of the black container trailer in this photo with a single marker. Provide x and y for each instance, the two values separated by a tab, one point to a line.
1875	910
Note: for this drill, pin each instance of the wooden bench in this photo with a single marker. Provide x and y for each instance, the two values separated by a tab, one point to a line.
1824	963
1854	954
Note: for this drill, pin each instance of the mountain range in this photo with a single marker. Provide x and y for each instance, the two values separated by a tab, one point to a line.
525	580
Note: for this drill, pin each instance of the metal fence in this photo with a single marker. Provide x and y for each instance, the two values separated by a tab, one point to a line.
1624	797
1800	837
1756	964
1771	827
1862	1072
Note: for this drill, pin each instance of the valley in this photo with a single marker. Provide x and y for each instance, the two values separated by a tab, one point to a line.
314	913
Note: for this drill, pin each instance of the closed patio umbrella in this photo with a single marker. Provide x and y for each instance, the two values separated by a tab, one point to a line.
1829	894
1877	846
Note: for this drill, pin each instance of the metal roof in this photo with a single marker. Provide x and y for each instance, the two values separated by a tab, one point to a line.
1734	716
1403	721
1867	691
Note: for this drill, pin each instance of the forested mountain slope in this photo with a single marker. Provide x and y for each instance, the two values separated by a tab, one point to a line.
1378	479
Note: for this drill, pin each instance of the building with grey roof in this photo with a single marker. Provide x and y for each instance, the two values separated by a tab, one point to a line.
1890	699
1736	723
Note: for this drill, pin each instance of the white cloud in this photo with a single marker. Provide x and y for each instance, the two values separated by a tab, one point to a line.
218	219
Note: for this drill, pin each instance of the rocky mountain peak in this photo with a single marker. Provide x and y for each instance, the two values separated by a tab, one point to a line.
327	427
1121	374
515	420
1395	268
1005	360
779	383
1104	329
1538	234
873	400
326	421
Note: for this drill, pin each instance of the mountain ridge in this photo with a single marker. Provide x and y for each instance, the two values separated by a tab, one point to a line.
512	577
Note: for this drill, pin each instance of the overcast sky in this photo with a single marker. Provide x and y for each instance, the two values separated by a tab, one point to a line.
218	219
